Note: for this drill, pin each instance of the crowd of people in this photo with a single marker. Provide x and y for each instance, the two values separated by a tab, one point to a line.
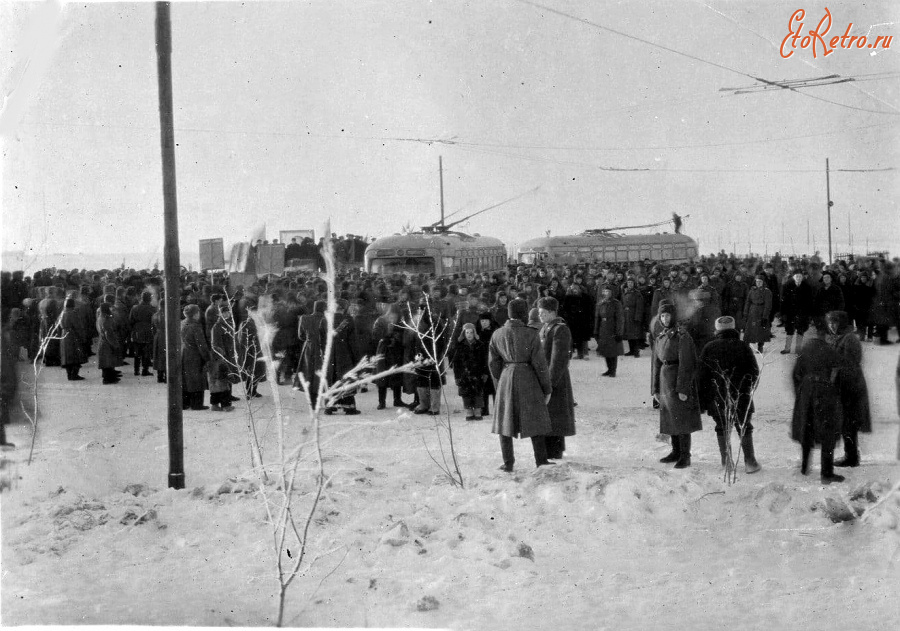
507	335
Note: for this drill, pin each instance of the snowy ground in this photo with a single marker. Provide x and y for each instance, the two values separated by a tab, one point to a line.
617	539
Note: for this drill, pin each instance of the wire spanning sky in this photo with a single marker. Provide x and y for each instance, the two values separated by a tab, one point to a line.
292	113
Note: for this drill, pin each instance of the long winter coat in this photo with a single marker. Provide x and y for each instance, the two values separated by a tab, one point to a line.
817	388
221	361
430	343
854	390
71	346
674	373
108	351
757	316
556	341
633	312
734	299
827	299
141	321
884	305
609	327
194	357
343	357
659	295
469	369
159	338
702	323
388	338
522	381
796	303
485	334
49	310
726	378
578	310
312	344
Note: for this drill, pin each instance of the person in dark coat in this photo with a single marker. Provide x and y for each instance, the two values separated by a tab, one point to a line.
818	412
829	297
664	292
633	317
50	309
726	378
758	314
733	300
862	295
430	344
343	358
609	328
158	325
522	379
577	309
674	385
194	357
141	321
108	351
388	335
71	346
9	380
556	340
485	329
312	349
796	310
500	309
885	307
701	325
222	365
469	371
857	416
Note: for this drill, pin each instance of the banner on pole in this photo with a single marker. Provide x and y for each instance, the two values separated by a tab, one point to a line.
212	254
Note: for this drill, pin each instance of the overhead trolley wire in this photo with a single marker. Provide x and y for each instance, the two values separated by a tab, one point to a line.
693	57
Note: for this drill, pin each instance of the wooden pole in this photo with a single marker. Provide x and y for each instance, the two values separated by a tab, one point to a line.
171	253
830	204
441	175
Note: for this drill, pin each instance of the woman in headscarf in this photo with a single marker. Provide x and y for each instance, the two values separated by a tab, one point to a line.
470	371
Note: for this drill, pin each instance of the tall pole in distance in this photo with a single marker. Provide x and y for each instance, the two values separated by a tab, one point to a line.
441	175
830	204
171	254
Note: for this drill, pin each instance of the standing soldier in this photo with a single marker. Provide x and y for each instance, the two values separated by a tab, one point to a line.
857	416
556	341
522	380
757	314
633	310
312	349
734	299
141	321
796	306
609	326
342	356
674	371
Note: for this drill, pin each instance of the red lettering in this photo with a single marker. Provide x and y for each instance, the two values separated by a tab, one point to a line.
833	42
887	41
818	34
793	33
846	35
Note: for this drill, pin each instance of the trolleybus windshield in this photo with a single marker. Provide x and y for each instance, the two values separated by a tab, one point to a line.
414	265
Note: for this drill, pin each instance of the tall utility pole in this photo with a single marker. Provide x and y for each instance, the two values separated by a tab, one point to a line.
830	204
441	176
171	254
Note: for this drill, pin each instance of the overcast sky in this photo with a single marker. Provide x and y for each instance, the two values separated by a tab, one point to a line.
290	113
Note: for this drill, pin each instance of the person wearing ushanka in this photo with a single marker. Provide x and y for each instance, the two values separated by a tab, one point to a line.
857	416
726	378
522	380
674	372
556	340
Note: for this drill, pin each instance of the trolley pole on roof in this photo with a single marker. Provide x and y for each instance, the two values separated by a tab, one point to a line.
830	204
171	253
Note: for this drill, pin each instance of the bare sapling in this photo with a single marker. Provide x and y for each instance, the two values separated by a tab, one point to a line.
431	330
736	409
37	367
280	486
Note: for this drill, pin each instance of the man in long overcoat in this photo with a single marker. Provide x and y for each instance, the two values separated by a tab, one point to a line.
796	309
312	348
857	416
522	379
726	379
674	374
633	310
194	357
342	358
758	314
141	321
609	327
818	413
556	341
